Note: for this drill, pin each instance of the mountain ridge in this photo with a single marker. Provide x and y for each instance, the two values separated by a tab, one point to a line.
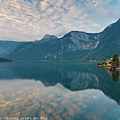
109	42
73	46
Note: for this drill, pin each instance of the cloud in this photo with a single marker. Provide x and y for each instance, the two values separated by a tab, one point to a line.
30	20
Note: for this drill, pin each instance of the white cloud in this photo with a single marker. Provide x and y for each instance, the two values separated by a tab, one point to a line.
24	20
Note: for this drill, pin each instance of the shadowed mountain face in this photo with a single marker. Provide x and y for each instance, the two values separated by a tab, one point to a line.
74	77
7	47
109	43
73	46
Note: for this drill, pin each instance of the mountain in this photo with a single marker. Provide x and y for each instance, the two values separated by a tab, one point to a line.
37	50
51	48
109	43
80	41
74	46
7	47
48	37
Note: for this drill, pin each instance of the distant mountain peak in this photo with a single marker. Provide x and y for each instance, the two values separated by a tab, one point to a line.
47	36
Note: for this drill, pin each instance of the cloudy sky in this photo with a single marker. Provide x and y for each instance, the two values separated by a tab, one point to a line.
31	19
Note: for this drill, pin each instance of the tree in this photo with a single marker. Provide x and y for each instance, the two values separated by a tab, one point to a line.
115	60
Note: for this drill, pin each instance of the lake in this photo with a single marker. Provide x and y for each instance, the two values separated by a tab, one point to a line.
58	91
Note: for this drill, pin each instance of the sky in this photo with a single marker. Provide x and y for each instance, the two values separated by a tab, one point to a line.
29	20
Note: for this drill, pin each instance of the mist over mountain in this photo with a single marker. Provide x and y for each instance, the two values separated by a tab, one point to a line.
74	46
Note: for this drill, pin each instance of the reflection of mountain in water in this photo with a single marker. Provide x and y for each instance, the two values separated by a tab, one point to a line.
75	76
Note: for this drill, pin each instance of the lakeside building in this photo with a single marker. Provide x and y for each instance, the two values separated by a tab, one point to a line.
109	62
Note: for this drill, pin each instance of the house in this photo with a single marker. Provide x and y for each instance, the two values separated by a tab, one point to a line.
109	62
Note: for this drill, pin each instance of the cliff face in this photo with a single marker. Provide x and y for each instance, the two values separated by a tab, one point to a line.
76	40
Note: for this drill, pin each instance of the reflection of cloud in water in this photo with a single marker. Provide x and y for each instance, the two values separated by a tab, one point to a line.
30	98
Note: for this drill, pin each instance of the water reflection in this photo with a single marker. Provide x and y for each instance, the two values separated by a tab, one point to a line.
115	74
72	76
23	98
46	90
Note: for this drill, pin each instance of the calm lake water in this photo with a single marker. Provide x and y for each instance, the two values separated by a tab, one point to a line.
58	91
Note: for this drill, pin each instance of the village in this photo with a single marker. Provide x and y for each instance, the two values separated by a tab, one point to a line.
113	63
